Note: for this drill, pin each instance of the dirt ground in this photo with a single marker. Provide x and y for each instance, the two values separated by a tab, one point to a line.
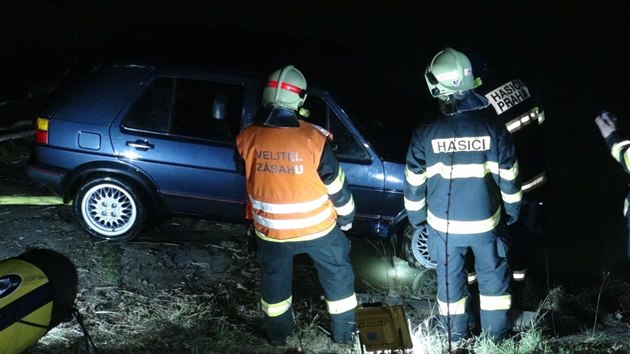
204	272
200	267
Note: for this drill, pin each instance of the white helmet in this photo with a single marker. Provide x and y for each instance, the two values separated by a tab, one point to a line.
449	72
285	87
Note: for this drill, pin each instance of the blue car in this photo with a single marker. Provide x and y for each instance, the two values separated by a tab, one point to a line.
134	143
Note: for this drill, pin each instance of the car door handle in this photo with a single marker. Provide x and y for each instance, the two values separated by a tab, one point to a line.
140	144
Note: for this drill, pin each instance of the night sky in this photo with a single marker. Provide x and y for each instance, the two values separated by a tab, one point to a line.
575	54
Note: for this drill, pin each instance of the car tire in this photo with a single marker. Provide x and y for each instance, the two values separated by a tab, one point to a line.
414	247
110	209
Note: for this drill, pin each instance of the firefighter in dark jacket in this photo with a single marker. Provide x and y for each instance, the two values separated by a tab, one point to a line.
607	124
300	203
519	105
462	185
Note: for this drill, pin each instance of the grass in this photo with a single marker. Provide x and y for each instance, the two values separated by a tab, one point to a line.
110	264
173	321
227	319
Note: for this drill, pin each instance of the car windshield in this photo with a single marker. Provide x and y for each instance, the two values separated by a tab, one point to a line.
387	118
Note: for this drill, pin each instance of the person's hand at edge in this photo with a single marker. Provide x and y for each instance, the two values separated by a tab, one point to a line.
605	124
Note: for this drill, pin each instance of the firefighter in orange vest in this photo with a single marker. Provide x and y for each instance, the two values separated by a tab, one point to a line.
300	203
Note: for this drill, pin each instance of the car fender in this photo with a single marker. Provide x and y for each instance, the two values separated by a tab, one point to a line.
73	178
398	224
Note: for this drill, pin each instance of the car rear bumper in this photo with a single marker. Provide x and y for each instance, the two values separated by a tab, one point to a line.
50	176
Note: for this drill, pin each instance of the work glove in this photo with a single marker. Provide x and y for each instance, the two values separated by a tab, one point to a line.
607	123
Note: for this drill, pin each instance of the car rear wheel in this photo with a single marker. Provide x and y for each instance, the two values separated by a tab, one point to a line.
110	209
415	248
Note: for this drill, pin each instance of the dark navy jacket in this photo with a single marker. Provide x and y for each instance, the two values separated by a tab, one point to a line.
518	104
462	174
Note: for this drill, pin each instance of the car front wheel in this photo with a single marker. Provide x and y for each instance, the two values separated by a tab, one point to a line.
109	209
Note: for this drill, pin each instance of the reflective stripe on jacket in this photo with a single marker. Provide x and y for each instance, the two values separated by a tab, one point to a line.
461	172
288	199
518	104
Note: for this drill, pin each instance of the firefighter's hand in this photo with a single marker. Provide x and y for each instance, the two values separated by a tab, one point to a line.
346	227
605	124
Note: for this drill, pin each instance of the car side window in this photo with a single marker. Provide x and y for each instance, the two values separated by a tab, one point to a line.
152	110
189	108
345	144
206	109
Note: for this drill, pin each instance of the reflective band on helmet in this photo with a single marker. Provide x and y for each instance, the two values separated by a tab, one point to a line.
414	206
277	309
464	227
336	185
284	86
288	224
343	305
448	76
494	303
415	179
345	209
289	208
454	308
512	198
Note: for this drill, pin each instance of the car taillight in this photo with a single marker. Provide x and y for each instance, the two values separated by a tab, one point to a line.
41	131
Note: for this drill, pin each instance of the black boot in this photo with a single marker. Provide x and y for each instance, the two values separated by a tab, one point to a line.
344	327
279	328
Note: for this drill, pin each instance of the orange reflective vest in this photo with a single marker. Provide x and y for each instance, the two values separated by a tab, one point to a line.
287	197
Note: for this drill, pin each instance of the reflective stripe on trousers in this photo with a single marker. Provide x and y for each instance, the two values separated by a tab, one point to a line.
492	277
343	305
494	303
453	308
330	255
277	309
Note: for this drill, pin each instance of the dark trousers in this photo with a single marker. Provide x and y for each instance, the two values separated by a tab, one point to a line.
330	255
493	279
